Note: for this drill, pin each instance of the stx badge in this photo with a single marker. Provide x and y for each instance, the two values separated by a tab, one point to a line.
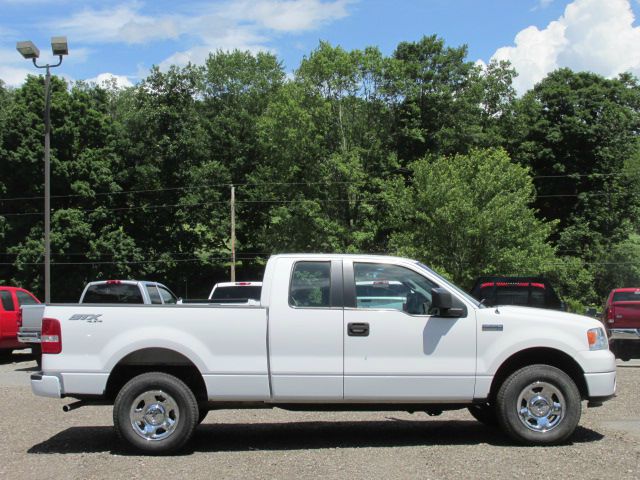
86	317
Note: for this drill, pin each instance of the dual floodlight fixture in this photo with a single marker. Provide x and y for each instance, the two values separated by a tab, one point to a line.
29	50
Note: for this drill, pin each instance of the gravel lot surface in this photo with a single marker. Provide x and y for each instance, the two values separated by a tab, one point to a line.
39	441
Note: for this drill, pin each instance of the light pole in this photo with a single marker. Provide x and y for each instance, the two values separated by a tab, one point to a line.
28	50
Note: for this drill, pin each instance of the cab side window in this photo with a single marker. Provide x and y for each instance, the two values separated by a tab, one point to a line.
383	286
310	285
7	301
154	296
167	296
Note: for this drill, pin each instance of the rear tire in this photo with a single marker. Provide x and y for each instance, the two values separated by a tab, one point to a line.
36	351
539	405
155	413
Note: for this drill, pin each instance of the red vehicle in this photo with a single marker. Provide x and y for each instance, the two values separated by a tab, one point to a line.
11	299
621	316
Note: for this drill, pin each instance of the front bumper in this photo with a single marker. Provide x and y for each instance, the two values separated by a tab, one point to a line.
624	334
601	386
46	385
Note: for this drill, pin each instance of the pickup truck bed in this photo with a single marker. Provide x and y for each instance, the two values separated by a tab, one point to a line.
320	340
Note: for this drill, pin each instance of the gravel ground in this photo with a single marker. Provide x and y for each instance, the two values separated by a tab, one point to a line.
39	441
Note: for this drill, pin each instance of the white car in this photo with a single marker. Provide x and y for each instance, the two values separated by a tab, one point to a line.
247	293
312	343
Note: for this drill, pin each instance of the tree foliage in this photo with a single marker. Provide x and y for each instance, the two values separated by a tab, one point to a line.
420	152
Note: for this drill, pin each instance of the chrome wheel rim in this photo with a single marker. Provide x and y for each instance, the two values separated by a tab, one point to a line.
154	415
541	407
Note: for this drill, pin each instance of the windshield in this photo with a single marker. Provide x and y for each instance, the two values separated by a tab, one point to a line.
459	291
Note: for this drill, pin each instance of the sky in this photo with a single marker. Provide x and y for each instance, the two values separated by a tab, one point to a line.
124	38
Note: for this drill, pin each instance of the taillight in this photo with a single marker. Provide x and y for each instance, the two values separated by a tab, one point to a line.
51	340
19	319
611	314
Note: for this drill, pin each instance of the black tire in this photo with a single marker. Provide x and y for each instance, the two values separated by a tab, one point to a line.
36	351
202	415
484	413
168	400
549	385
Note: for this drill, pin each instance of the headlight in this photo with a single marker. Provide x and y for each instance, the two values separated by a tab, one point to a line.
597	339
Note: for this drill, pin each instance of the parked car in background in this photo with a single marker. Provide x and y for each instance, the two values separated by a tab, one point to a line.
236	292
621	317
127	291
11	299
525	291
103	291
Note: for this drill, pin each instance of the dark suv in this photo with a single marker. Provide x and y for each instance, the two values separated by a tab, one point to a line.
525	291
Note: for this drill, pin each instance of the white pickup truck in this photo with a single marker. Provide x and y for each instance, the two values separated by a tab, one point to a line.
332	332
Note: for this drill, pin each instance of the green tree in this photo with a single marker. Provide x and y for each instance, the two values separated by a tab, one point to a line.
471	215
438	99
579	129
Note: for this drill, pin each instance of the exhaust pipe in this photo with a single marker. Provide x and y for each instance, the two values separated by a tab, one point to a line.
73	406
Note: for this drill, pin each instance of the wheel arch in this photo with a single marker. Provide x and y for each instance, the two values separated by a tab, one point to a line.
156	359
539	355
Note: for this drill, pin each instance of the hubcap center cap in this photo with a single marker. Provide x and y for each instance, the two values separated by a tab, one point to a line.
155	414
539	406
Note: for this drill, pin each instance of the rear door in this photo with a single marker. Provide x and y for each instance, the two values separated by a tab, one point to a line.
9	317
396	350
306	331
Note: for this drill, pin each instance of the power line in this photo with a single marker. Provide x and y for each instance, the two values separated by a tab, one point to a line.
168	189
134	262
263	184
178	205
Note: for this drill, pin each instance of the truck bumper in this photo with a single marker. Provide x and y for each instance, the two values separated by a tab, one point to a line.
601	385
46	385
29	337
624	334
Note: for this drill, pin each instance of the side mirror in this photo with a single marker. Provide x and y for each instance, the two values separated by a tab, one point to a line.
442	302
441	298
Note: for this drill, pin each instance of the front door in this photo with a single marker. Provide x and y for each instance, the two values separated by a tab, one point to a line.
397	349
305	331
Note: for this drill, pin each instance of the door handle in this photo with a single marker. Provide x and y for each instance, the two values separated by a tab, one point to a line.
358	329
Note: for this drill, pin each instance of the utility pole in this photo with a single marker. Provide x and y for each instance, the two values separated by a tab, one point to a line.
233	233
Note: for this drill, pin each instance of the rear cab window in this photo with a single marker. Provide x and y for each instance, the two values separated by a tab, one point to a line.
626	296
25	299
113	293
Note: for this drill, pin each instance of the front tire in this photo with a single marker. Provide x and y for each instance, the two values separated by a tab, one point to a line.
155	413
539	405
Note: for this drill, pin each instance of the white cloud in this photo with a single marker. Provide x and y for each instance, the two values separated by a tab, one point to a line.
593	35
13	76
120	81
121	24
542	4
242	24
290	15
